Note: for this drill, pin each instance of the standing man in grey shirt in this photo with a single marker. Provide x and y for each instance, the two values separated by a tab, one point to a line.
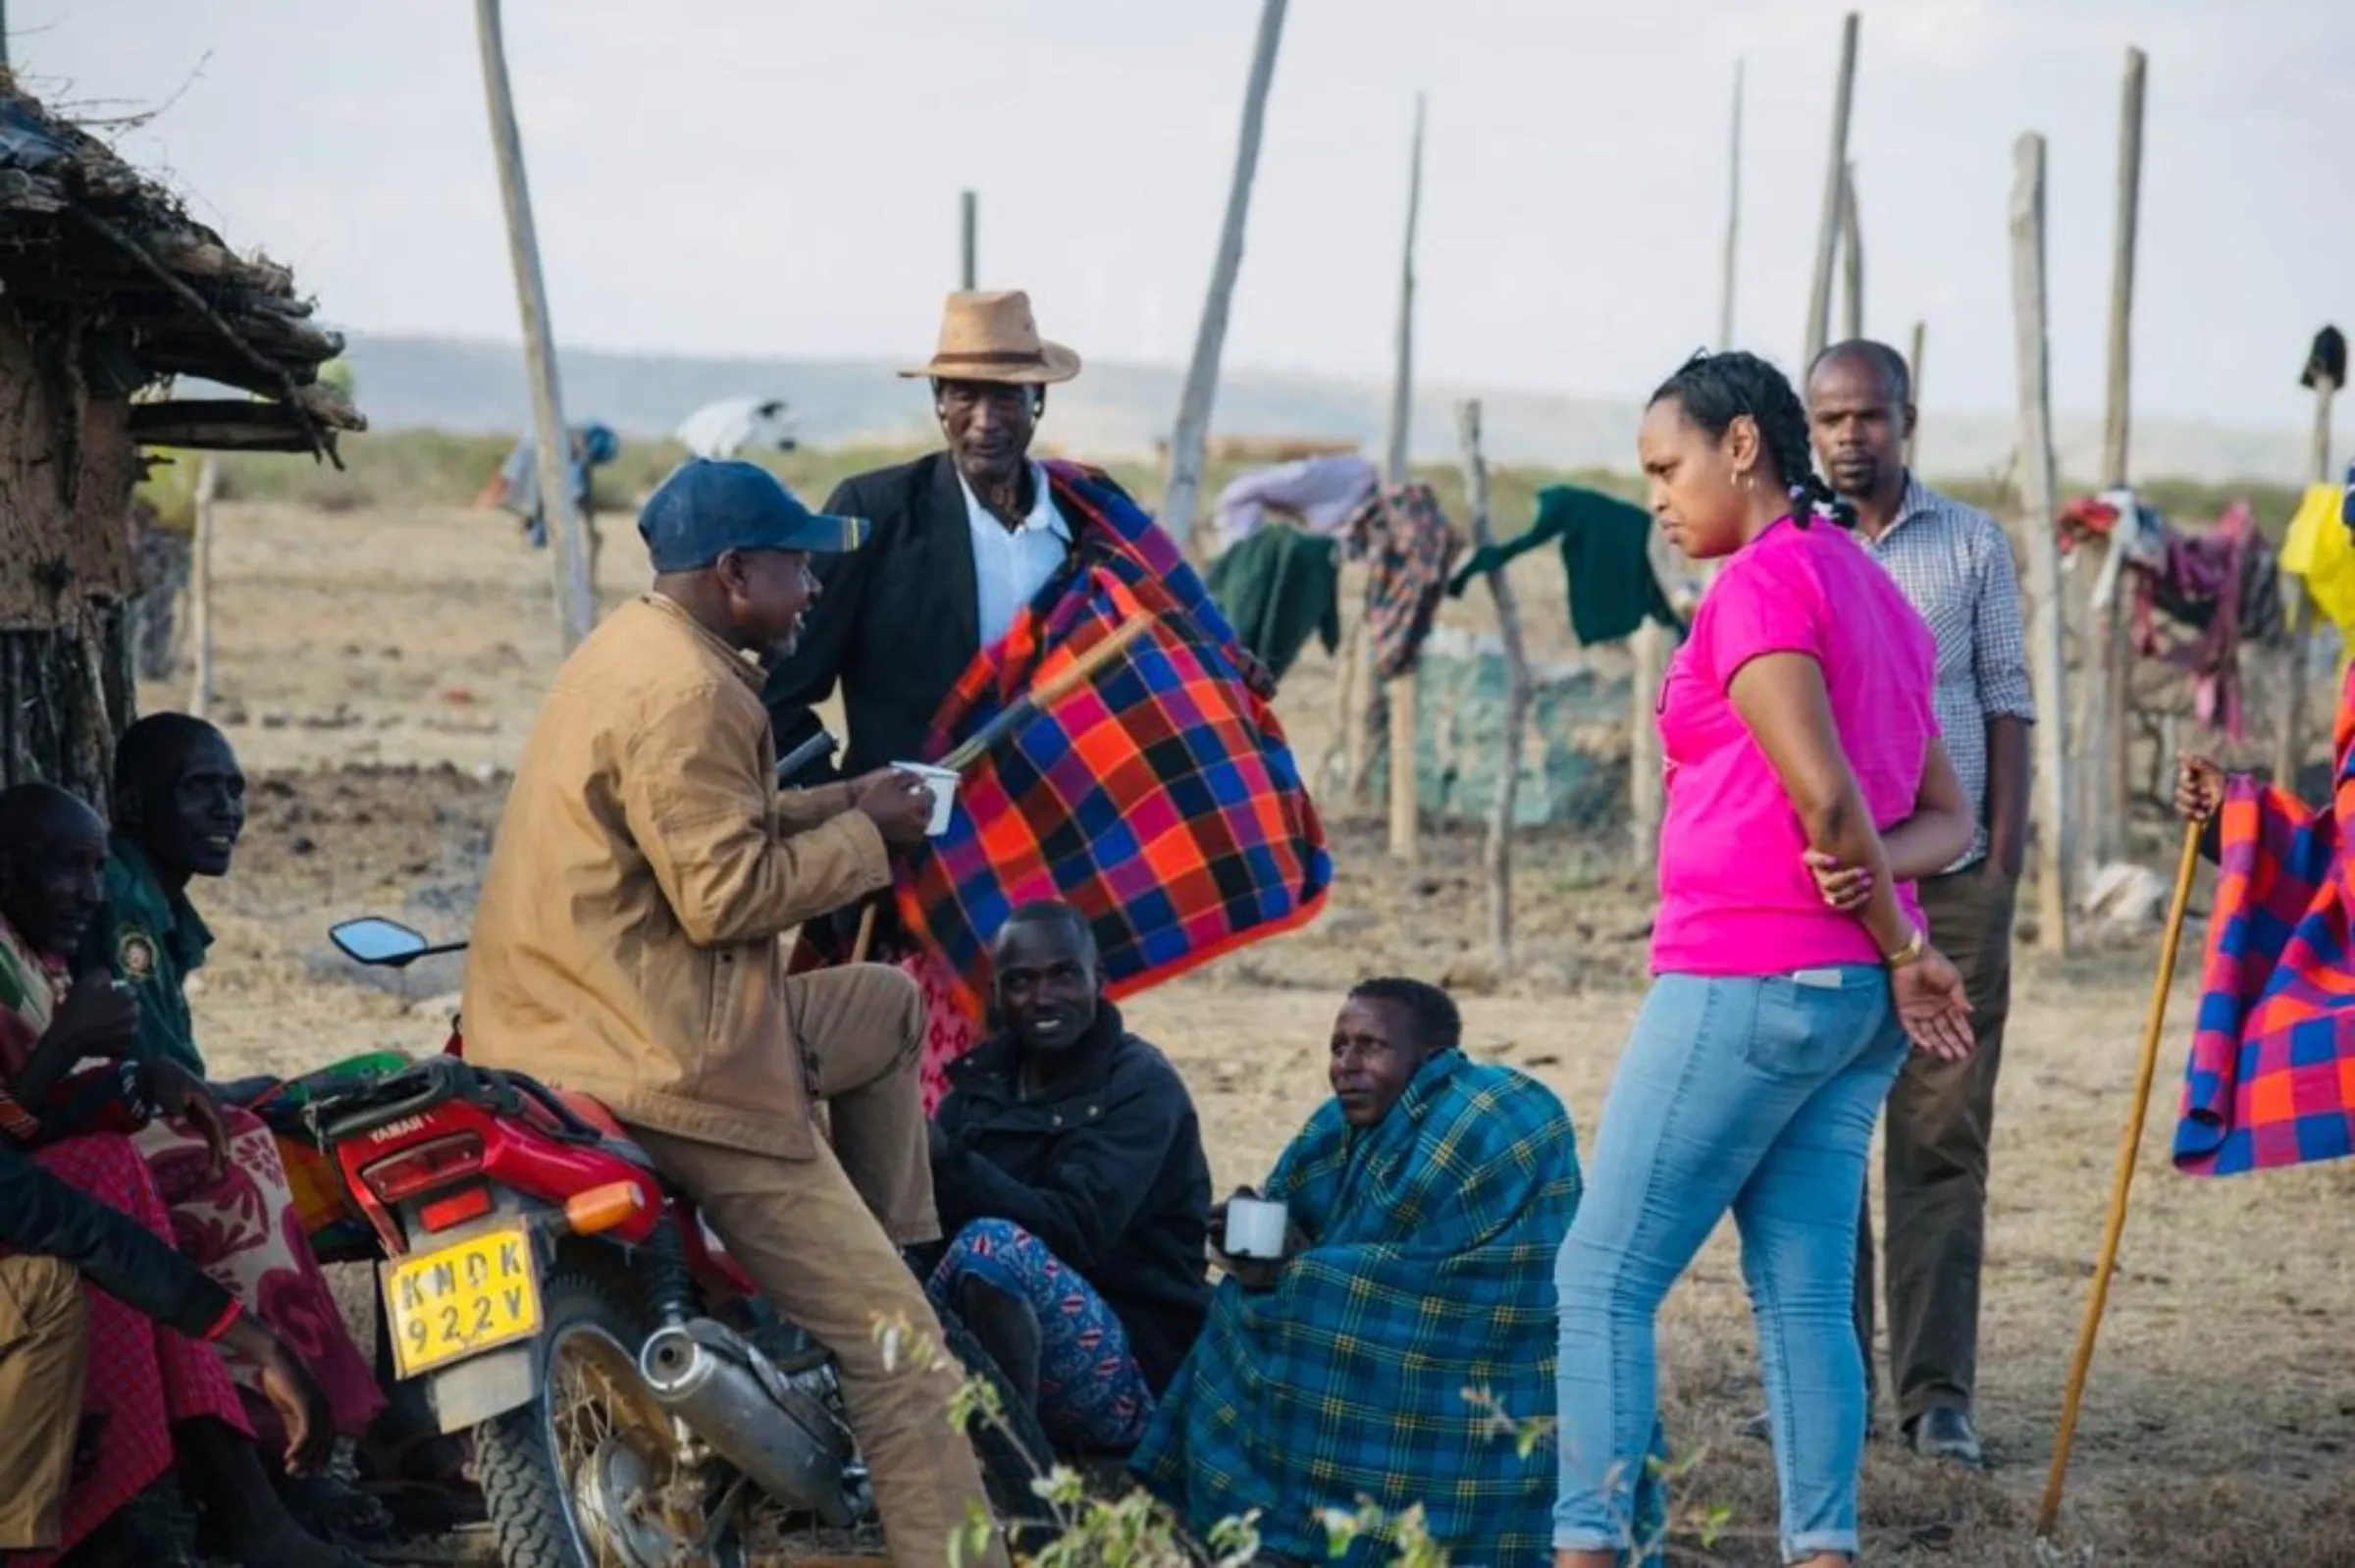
1955	563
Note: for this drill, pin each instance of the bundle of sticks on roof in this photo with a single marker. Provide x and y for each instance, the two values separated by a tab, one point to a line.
90	245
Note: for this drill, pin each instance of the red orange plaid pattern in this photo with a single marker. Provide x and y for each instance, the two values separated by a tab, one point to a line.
2271	1080
1161	800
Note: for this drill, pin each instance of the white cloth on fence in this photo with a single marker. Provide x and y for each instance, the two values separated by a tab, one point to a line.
1322	492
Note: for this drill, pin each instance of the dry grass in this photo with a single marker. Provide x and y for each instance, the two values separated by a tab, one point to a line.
378	663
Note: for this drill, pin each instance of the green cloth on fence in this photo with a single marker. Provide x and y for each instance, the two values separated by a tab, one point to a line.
1606	552
1277	587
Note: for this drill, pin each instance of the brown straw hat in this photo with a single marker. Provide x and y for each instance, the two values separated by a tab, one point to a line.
993	336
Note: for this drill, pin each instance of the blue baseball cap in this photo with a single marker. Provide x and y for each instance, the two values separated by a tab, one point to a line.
707	507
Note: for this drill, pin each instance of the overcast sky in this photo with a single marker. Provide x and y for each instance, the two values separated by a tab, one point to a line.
780	177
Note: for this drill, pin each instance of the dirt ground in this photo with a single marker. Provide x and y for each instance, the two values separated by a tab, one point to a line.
378	669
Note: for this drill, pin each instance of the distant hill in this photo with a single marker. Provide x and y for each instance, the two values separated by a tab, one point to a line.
1123	410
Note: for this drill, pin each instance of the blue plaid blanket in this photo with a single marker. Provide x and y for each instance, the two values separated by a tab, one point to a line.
1377	1367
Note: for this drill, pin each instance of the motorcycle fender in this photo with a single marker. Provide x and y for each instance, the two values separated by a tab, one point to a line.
490	1384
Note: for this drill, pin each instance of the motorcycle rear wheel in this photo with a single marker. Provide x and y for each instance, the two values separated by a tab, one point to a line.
582	1477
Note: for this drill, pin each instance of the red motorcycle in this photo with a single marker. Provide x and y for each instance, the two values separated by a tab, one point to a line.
633	1401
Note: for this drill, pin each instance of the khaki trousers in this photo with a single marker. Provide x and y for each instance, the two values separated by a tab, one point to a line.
1940	1118
819	1234
44	1347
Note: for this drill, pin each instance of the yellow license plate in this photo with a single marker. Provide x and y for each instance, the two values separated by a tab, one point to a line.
461	1299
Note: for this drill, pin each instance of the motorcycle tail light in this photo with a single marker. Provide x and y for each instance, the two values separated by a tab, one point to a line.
468	1203
424	1167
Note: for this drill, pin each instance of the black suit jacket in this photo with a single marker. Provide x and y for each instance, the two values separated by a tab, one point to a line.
897	622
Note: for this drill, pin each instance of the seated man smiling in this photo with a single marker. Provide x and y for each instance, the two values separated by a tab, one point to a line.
1068	1164
1409	1325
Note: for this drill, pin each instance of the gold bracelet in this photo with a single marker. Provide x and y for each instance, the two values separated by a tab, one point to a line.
1910	953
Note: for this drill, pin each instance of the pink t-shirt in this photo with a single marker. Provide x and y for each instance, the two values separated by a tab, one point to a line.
1735	897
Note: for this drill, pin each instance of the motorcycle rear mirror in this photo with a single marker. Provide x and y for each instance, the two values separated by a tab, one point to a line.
386	943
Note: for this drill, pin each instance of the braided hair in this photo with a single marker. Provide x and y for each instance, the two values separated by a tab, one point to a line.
1715	390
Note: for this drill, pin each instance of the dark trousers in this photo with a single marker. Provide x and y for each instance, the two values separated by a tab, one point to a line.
1934	1166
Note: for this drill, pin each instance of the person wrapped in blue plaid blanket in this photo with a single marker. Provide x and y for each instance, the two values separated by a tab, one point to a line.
1400	1352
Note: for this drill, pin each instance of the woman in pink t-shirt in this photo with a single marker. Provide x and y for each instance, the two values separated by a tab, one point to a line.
1806	790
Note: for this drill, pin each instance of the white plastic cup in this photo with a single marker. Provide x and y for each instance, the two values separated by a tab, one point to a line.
943	784
1255	1228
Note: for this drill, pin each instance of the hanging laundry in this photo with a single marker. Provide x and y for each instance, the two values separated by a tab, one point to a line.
1606	553
1320	494
1408	546
1280	586
2221	585
2318	552
2201	587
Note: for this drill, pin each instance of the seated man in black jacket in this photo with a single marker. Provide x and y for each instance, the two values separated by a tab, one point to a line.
56	1238
1068	1164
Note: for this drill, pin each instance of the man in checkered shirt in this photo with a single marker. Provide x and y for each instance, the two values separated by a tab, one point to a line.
1955	563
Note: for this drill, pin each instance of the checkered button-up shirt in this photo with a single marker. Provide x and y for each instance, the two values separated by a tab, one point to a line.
1955	563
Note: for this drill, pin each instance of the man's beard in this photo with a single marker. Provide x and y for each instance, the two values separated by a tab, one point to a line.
1858	487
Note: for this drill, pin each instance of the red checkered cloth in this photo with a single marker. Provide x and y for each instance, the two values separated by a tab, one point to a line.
2271	1080
1161	800
143	1378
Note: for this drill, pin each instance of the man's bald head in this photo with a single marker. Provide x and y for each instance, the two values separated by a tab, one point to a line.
32	813
1867	353
1050	917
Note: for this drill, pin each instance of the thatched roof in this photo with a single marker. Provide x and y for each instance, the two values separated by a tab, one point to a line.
91	245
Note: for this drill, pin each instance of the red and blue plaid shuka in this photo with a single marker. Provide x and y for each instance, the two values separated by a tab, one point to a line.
1161	800
2272	1076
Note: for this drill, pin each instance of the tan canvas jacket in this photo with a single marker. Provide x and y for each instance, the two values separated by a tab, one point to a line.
627	942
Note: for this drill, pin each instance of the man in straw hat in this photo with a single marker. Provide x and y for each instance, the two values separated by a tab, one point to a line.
967	542
626	945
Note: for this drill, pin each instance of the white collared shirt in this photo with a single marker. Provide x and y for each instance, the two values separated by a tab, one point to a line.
1012	564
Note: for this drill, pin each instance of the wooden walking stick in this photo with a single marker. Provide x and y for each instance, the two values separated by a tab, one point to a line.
1079	672
2186	870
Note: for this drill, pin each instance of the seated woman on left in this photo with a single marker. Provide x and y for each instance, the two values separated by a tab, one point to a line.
218	1169
1068	1168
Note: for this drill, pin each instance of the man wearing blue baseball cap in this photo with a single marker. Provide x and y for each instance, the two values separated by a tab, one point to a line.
627	945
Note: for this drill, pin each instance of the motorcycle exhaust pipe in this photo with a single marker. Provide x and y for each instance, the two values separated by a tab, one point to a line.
777	1430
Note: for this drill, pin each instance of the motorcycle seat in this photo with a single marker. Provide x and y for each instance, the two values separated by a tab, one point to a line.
602	1122
593	1111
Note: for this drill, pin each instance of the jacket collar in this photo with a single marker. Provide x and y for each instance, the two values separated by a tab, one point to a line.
994	1067
167	911
746	668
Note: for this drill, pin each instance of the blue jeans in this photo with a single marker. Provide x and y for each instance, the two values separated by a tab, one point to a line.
1756	1095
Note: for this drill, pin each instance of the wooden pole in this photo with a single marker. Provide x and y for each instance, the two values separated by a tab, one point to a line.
2290	747
1733	223
1398	436
2055	841
969	255
200	587
1520	693
1646	782
1921	332
2104	748
576	593
1852	252
1405	824
1835	181
2121	1180
1189	443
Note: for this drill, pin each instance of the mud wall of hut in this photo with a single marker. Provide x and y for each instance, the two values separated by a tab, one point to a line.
66	567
